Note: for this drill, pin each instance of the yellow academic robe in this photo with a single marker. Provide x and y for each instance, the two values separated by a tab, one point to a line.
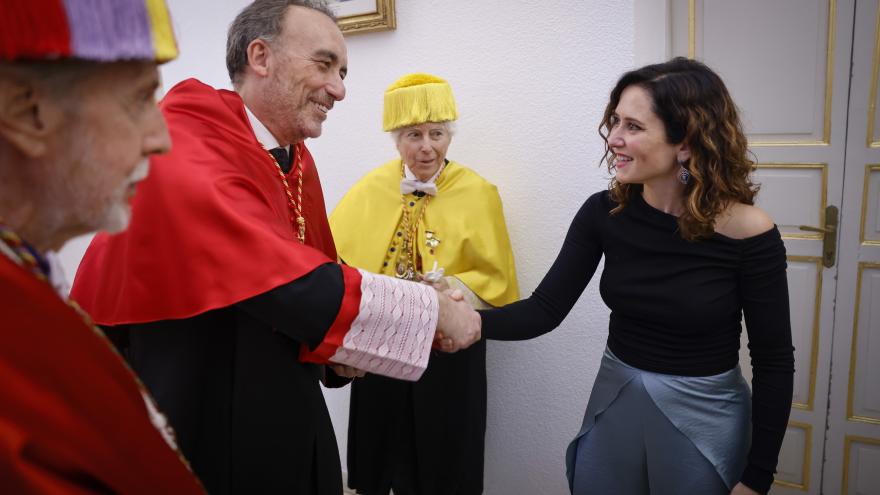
440	421
466	216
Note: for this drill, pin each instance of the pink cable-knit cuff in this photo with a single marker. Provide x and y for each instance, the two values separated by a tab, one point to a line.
394	329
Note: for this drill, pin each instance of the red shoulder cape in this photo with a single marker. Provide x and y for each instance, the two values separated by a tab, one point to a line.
210	225
71	415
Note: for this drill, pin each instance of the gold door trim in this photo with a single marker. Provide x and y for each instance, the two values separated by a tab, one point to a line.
808	447
872	103
829	74
868	169
822	196
814	338
847	443
854	349
692	28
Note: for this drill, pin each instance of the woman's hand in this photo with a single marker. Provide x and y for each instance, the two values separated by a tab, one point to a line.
741	489
448	300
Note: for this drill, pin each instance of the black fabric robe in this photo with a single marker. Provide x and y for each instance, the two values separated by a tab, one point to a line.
426	436
249	416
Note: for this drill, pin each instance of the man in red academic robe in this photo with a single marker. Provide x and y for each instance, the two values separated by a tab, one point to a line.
77	122
225	293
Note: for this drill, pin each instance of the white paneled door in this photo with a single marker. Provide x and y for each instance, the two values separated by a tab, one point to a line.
805	76
852	452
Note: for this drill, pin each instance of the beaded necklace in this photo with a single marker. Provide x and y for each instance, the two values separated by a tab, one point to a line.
407	268
21	251
29	261
298	221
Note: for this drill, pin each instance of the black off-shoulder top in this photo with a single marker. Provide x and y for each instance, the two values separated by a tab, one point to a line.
676	307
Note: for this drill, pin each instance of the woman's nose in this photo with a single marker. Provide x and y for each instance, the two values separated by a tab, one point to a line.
614	138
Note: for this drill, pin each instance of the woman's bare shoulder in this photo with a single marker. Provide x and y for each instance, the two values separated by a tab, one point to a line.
741	221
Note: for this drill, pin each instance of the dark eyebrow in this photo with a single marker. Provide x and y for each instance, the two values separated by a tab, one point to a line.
324	53
628	119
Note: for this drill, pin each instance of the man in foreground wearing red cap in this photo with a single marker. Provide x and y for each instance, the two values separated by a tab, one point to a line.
77	123
226	285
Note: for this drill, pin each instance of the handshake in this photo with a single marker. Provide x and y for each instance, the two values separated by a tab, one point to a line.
458	325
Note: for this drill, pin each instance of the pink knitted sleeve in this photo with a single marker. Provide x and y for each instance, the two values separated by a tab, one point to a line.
394	329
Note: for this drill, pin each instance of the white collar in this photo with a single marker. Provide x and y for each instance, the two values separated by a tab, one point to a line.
57	279
263	135
410	183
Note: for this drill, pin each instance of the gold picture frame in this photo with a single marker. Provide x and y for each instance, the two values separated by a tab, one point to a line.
364	16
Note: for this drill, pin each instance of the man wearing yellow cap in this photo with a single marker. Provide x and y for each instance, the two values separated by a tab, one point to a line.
77	123
423	217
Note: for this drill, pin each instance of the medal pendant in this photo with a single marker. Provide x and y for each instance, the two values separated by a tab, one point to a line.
403	272
301	224
431	240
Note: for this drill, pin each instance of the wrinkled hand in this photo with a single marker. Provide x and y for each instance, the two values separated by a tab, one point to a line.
347	371
741	489
458	325
441	285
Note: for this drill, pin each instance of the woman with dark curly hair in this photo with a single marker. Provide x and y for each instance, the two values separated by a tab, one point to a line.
687	256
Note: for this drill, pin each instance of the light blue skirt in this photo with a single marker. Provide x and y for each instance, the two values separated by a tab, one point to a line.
713	412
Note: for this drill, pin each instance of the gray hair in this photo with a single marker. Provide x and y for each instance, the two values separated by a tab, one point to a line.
260	20
448	124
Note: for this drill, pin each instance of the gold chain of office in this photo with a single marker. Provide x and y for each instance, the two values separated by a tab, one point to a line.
298	221
406	264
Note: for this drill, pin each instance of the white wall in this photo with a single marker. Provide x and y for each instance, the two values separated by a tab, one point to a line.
531	80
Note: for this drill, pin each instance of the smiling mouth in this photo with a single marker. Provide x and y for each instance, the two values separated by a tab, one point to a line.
621	160
322	107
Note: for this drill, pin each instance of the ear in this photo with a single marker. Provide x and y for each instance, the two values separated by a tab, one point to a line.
258	55
27	116
684	153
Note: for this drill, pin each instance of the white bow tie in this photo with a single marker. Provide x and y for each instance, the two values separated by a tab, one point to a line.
411	185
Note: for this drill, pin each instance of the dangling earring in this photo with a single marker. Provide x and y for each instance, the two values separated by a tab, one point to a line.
684	175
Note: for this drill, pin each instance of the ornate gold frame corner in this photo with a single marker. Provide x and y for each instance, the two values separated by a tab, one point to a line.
383	19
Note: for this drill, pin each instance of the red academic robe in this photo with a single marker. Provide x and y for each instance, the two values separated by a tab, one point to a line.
72	418
205	282
230	239
211	224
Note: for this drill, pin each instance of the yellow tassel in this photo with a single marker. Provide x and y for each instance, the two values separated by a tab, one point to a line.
416	99
163	35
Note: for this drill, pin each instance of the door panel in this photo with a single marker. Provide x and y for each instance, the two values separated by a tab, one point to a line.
807	182
786	64
869	227
794	471
805	291
863	395
852	450
778	59
805	75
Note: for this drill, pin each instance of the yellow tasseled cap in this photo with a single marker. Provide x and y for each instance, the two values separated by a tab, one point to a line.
416	99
